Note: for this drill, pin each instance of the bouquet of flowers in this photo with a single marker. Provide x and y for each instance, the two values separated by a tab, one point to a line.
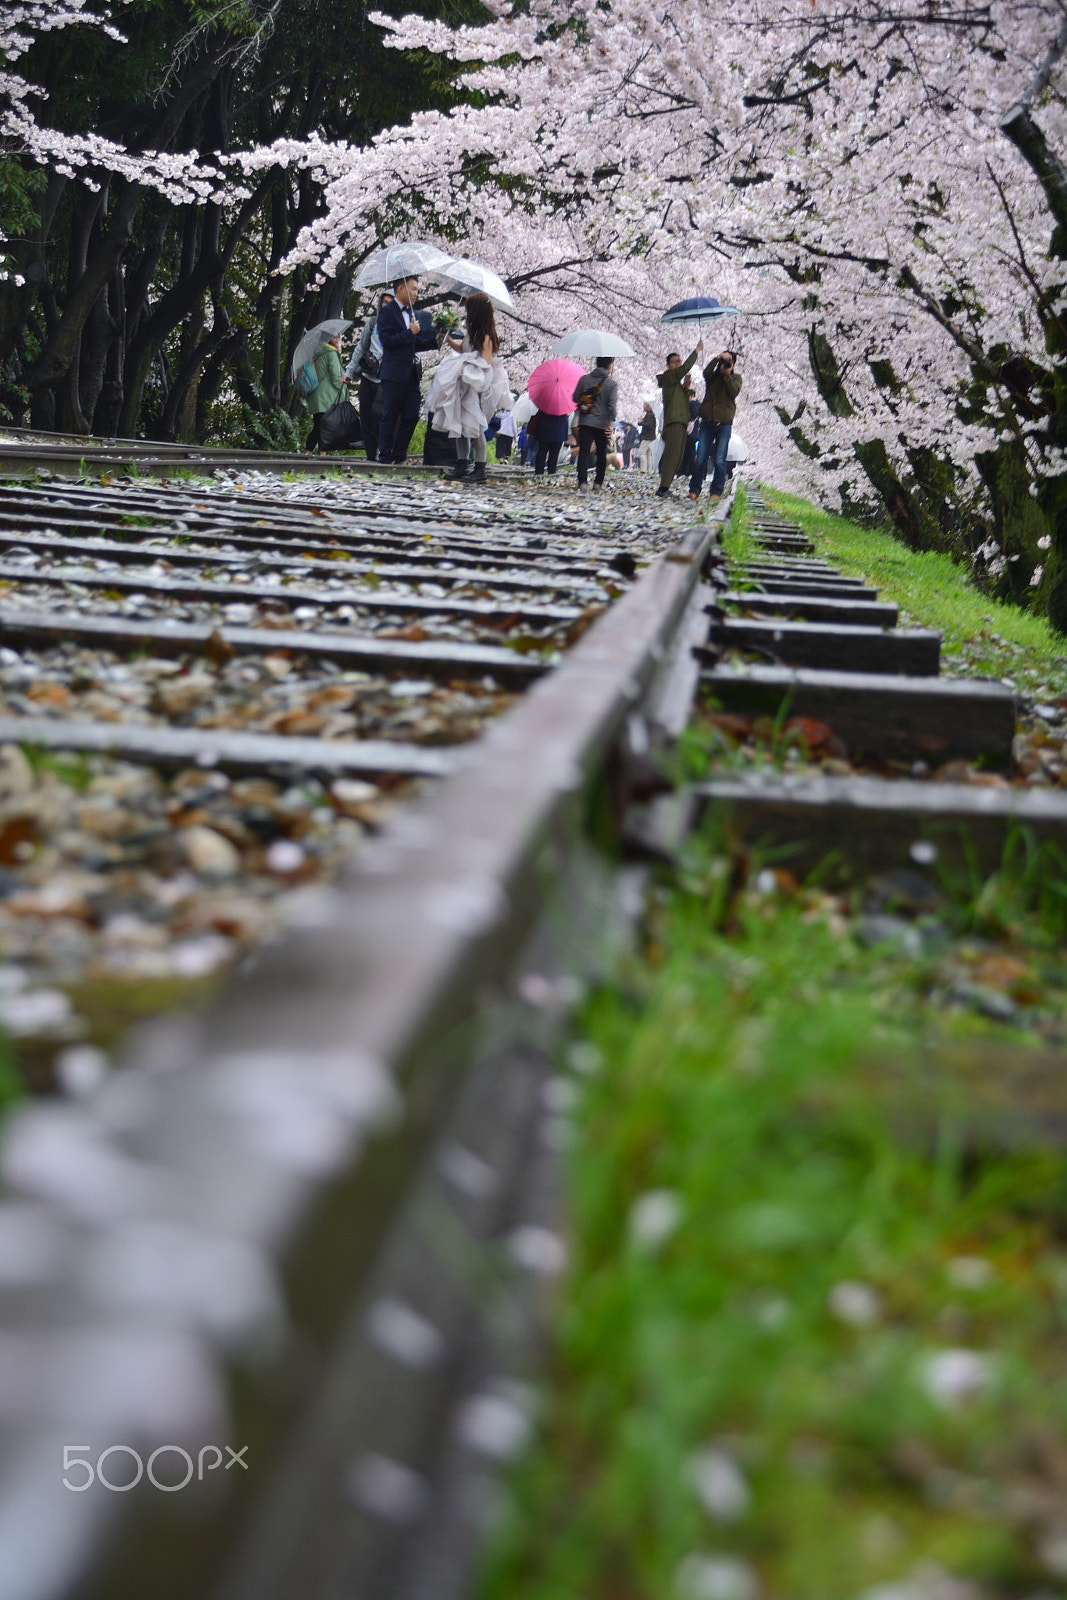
446	320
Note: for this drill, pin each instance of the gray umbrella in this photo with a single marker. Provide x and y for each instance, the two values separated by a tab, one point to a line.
591	342
395	261
315	338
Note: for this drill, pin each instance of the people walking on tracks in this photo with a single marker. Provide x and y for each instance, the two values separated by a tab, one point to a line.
649	429
331	386
470	386
364	368
675	416
403	334
595	398
722	385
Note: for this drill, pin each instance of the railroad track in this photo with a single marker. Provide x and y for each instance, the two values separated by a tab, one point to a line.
938	779
32	451
314	1216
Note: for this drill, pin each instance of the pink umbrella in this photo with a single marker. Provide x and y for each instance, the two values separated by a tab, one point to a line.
551	385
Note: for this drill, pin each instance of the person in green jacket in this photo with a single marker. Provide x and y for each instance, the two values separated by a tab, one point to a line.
331	387
675	417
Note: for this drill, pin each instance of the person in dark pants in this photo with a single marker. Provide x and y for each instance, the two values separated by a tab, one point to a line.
551	432
722	385
365	368
402	334
595	419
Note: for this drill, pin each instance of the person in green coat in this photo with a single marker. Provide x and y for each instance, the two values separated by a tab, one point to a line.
675	417
331	387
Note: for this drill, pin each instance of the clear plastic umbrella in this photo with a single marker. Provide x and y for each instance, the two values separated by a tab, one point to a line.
395	261
315	338
471	276
523	409
592	342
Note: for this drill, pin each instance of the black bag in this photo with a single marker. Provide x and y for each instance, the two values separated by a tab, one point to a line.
340	426
438	449
369	364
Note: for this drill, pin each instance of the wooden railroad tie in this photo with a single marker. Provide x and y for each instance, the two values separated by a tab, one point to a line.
929	719
831	646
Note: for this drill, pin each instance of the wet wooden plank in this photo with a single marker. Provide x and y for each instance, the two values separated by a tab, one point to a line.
138	554
831	647
813	608
291	541
874	823
831	588
289	595
229	750
41	629
928	719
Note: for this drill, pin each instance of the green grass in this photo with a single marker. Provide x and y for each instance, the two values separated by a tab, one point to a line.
832	1127
737	542
993	636
752	1070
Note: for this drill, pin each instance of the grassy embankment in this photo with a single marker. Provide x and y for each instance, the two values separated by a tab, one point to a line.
811	1342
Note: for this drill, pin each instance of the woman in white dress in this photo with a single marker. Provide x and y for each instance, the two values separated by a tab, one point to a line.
469	387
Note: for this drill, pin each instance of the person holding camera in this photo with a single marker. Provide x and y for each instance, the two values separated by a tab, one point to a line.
722	385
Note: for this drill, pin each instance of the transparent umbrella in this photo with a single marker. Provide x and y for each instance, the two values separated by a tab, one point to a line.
471	276
406	260
523	409
315	338
592	342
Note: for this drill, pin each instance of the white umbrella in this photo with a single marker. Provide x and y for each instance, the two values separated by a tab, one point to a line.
737	449
591	342
400	261
459	273
523	409
315	338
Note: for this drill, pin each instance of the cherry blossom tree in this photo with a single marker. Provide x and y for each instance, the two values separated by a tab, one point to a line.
853	175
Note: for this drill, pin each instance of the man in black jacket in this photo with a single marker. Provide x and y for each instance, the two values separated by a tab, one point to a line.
402	335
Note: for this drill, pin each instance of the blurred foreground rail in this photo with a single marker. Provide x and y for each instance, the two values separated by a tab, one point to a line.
267	1290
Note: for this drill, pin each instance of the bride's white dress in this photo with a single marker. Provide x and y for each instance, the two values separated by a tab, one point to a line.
466	392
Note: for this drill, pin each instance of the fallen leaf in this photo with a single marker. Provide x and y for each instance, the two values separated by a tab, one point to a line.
1000	971
218	650
414	634
814	734
729	722
18	839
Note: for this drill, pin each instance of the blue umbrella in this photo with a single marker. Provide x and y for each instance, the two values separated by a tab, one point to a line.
704	308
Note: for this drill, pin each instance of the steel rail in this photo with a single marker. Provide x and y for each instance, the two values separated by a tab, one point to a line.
311	1220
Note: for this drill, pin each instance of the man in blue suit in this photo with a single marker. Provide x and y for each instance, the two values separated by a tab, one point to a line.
402	334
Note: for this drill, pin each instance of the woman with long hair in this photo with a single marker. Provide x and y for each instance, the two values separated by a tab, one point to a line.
469	387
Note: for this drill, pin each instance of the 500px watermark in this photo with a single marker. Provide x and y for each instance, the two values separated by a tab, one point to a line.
77	1460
